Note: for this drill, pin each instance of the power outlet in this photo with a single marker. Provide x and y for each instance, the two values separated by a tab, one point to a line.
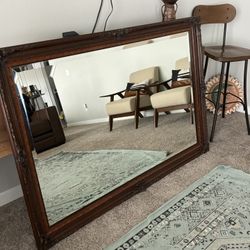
86	107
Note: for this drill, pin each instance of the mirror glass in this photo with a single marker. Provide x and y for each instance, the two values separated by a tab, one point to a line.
78	159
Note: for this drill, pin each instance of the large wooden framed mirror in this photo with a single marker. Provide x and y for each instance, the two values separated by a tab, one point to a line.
71	166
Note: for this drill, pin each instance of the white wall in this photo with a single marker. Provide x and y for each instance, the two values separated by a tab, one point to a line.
23	21
88	76
31	20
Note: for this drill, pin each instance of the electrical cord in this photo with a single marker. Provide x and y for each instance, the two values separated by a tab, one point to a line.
106	21
98	16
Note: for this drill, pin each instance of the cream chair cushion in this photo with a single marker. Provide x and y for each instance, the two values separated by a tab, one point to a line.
171	97
126	105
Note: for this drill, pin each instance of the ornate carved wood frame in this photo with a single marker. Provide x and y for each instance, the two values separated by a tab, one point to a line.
46	235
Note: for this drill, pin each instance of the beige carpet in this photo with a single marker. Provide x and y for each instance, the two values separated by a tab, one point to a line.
174	133
231	147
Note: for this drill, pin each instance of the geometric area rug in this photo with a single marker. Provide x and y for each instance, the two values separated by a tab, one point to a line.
213	213
71	180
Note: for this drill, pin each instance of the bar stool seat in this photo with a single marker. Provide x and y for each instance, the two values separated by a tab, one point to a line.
228	53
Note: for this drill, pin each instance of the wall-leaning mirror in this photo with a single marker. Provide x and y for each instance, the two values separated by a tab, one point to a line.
96	118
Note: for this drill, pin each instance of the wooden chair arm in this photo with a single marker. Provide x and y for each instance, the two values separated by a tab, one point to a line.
184	75
144	87
165	84
119	93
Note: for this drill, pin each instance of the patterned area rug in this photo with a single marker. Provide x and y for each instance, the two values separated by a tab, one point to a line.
213	213
72	180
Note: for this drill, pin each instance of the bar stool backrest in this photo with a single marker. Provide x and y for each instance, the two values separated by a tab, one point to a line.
223	13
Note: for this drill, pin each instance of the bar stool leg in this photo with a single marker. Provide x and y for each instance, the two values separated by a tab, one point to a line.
245	96
217	105
225	91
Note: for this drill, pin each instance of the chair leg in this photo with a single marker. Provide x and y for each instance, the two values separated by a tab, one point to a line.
205	67
156	116
225	91
136	119
245	97
217	105
137	105
110	123
140	115
191	115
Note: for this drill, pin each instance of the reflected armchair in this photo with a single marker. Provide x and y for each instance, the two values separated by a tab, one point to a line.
178	96
136	99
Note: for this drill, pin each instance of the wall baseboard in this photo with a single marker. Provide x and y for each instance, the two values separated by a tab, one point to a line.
100	120
241	110
147	113
10	195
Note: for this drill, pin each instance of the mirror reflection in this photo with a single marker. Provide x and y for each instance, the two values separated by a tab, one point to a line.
99	119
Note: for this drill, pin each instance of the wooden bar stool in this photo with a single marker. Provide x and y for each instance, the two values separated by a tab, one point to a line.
225	54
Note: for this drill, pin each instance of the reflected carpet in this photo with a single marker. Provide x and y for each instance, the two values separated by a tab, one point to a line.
71	180
213	213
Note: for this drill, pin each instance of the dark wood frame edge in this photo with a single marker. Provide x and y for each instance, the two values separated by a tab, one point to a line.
13	56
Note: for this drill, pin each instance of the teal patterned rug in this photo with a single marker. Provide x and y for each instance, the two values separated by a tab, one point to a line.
72	180
213	213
